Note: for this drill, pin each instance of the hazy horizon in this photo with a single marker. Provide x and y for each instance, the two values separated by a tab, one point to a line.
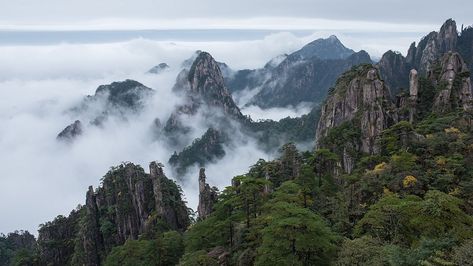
54	53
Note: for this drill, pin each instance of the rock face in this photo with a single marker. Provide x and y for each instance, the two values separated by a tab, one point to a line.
413	93
433	46
361	99
206	83
394	70
303	76
207	196
454	84
129	203
169	206
71	131
204	88
159	68
208	100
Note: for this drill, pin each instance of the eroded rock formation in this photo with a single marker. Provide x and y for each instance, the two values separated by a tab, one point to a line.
360	103
207	196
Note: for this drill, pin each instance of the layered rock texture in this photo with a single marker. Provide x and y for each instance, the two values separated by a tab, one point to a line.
360	107
362	101
207	196
433	46
394	70
454	84
203	84
424	56
129	204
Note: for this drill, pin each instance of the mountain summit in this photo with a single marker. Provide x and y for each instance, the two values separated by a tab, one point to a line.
303	76
329	48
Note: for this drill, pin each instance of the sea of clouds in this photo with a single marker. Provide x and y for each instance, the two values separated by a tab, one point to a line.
41	178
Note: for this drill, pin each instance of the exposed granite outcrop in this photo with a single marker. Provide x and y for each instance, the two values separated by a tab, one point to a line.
361	99
130	203
207	196
204	89
169	205
119	99
206	84
413	93
394	70
433	46
454	84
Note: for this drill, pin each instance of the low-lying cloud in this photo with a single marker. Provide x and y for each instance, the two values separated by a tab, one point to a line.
41	177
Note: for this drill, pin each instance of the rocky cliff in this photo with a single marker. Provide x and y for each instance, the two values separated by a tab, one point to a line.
424	57
360	105
394	70
203	84
129	204
451	77
433	46
359	108
204	90
207	196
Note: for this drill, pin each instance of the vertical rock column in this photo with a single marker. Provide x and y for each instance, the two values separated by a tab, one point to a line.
91	236
413	90
156	174
207	196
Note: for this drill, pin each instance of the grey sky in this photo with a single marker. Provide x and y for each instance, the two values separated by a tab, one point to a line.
53	12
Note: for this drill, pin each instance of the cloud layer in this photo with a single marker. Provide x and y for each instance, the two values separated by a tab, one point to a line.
41	177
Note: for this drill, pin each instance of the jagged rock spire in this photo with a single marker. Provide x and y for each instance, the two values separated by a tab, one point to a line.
169	206
206	80
413	91
92	240
433	46
455	84
207	196
360	98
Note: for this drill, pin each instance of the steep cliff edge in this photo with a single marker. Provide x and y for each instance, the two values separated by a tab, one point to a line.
207	196
360	104
433	46
452	78
130	204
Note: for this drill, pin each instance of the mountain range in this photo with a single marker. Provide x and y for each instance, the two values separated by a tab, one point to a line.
390	181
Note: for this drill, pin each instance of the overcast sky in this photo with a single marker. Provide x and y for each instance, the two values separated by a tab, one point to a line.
20	14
